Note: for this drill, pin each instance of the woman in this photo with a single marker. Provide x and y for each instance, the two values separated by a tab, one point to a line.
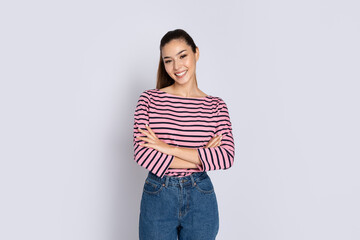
180	133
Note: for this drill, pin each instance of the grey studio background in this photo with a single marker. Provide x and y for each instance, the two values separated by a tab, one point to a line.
71	74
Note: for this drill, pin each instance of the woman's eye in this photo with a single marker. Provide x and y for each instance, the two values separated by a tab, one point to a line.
167	61
182	56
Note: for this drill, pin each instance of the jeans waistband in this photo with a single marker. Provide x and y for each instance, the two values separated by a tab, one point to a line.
183	181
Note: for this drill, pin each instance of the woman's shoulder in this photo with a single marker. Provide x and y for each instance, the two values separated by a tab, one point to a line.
148	92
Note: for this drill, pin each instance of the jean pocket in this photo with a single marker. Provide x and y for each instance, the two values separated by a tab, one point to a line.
204	185
152	187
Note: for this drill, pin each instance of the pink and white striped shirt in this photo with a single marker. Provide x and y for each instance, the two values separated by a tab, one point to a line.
183	122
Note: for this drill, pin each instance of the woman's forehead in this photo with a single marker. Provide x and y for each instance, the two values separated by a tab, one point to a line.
174	47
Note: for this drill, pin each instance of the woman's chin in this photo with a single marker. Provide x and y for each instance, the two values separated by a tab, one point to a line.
182	81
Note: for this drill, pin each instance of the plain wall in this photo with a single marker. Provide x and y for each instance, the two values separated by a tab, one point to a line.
72	72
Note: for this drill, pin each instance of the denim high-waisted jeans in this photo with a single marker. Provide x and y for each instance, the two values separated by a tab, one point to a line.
184	207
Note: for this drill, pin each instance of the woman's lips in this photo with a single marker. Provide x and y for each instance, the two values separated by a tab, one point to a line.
181	74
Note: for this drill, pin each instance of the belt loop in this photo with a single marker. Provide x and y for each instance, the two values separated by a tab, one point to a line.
192	180
167	181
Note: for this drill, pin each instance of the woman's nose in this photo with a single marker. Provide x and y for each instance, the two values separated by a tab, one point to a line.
176	65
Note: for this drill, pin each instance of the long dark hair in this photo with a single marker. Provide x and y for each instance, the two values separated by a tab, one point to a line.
163	79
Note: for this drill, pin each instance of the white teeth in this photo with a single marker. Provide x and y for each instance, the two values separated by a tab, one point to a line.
180	74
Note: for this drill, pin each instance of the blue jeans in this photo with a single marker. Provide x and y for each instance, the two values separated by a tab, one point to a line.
184	207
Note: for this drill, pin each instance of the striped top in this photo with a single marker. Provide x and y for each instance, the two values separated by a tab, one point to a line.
183	122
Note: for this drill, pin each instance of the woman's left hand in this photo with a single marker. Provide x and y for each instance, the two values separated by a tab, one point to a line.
152	141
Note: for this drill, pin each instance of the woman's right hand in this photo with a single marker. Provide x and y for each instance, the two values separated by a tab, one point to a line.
214	141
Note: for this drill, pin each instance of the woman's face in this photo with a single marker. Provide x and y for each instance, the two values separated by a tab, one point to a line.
180	61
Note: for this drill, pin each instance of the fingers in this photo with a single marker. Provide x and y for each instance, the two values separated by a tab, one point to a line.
214	142
144	139
150	134
151	131
217	141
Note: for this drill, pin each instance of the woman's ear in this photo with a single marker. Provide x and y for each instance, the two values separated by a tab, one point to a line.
197	54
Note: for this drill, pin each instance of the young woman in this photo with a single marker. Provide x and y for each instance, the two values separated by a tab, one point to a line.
180	133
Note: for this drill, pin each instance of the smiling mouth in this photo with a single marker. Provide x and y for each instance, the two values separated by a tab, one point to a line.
181	73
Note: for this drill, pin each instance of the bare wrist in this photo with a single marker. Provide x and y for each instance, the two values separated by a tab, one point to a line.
174	150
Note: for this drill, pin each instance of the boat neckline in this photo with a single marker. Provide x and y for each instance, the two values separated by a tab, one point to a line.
207	96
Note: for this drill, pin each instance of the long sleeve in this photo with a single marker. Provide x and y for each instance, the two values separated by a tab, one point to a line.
221	157
149	158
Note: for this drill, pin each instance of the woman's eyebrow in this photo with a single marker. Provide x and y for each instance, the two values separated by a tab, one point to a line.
177	53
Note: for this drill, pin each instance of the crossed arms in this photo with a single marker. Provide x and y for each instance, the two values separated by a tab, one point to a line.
183	157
